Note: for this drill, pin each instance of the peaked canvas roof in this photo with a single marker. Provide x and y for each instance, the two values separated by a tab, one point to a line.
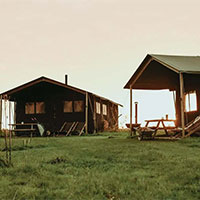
185	64
178	64
51	81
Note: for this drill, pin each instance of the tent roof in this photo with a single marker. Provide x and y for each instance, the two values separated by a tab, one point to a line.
185	64
177	64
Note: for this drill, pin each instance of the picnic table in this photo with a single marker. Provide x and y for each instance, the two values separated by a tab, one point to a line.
149	131
161	122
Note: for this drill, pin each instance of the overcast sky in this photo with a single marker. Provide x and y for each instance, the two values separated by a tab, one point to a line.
98	43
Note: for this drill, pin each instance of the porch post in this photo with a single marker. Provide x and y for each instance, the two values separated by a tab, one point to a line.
0	113
178	107
15	113
131	110
10	129
86	113
182	99
136	112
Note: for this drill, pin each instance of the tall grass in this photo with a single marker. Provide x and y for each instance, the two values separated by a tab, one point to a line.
102	167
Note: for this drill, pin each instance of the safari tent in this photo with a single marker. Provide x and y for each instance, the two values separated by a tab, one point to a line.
57	105
180	74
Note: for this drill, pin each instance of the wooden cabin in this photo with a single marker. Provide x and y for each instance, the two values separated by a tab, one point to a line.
180	74
52	103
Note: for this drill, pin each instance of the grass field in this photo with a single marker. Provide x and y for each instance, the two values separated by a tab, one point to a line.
99	167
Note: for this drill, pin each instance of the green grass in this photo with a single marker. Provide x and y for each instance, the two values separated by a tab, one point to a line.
99	167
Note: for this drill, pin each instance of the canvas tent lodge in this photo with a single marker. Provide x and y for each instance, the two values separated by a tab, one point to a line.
58	105
180	74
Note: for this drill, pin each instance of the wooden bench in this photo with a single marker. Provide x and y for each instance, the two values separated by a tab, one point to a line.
24	128
21	130
145	133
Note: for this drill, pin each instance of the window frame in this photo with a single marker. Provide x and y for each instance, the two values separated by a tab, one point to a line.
34	104
98	107
44	109
71	111
79	102
188	102
29	104
105	109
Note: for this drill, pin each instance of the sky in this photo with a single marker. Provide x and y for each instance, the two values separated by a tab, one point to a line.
98	43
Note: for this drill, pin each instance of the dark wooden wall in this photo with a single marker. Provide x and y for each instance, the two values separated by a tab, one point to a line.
54	116
54	98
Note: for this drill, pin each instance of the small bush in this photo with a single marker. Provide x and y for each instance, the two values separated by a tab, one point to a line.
57	160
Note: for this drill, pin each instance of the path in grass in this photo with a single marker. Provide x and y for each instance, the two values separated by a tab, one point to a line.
99	167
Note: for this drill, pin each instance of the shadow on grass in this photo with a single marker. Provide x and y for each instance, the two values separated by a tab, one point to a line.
194	145
156	139
3	163
22	148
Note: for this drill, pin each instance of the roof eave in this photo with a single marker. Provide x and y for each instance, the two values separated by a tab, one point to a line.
39	80
103	98
149	58
138	71
48	80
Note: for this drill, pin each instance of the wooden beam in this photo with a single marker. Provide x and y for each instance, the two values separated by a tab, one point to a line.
95	115
86	113
178	107
10	131
182	99
140	72
15	112
92	110
136	112
189	109
131	110
0	113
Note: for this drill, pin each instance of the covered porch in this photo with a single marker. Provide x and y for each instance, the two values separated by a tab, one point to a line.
179	74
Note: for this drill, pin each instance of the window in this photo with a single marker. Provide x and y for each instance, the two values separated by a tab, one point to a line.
191	102
98	108
104	109
29	108
68	106
40	107
34	108
78	106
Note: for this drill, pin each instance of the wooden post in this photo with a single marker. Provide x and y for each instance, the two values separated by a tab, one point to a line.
182	99
10	131
86	113
189	106
136	112
15	119
178	107
1	113
131	110
6	131
94	116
